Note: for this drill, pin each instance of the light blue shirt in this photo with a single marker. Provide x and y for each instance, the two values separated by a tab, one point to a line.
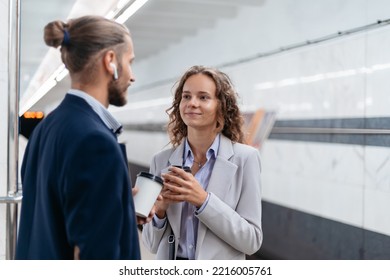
106	117
189	221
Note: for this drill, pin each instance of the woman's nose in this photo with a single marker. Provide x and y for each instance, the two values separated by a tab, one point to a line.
193	102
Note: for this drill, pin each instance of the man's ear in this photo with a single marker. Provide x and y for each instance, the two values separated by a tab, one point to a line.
110	63
113	66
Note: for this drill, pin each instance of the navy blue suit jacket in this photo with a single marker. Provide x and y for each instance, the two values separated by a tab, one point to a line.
76	189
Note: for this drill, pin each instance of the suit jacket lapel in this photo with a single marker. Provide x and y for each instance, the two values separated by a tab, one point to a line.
220	180
175	209
223	170
176	157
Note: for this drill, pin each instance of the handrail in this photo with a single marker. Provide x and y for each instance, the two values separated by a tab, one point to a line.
13	128
327	130
11	199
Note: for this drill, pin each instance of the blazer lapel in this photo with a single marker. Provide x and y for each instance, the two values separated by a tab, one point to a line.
175	209
176	157
220	180
223	170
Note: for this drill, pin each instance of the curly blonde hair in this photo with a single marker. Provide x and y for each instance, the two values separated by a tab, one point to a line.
229	118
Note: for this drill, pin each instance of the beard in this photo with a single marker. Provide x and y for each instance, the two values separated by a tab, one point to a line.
117	90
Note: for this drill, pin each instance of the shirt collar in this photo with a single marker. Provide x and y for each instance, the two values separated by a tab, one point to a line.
212	151
107	118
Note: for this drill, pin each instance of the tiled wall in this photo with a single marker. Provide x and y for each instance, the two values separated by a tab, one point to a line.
343	182
341	79
347	77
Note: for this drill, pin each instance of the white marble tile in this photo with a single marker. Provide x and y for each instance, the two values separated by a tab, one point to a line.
316	161
375	10
345	183
3	171
4	58
3	136
377	189
4	36
377	169
4	95
378	82
318	81
2	231
321	179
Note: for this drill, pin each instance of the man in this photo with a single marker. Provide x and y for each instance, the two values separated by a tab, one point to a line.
77	202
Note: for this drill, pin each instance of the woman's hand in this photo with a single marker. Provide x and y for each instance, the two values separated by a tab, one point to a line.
163	204
182	186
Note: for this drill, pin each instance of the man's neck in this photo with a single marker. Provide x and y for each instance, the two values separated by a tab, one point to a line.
94	91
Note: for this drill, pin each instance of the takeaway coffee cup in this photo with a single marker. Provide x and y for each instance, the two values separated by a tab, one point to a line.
185	168
149	188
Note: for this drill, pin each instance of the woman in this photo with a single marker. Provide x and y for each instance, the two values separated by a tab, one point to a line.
214	212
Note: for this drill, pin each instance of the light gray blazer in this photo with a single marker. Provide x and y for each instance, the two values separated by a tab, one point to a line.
230	224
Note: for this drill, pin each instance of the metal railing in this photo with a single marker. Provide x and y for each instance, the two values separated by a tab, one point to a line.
14	195
11	198
329	130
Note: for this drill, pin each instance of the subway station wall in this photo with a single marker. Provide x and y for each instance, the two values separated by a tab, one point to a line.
338	182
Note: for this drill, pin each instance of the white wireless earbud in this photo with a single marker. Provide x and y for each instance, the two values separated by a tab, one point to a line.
113	66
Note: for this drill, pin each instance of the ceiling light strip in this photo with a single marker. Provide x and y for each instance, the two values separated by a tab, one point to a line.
119	15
